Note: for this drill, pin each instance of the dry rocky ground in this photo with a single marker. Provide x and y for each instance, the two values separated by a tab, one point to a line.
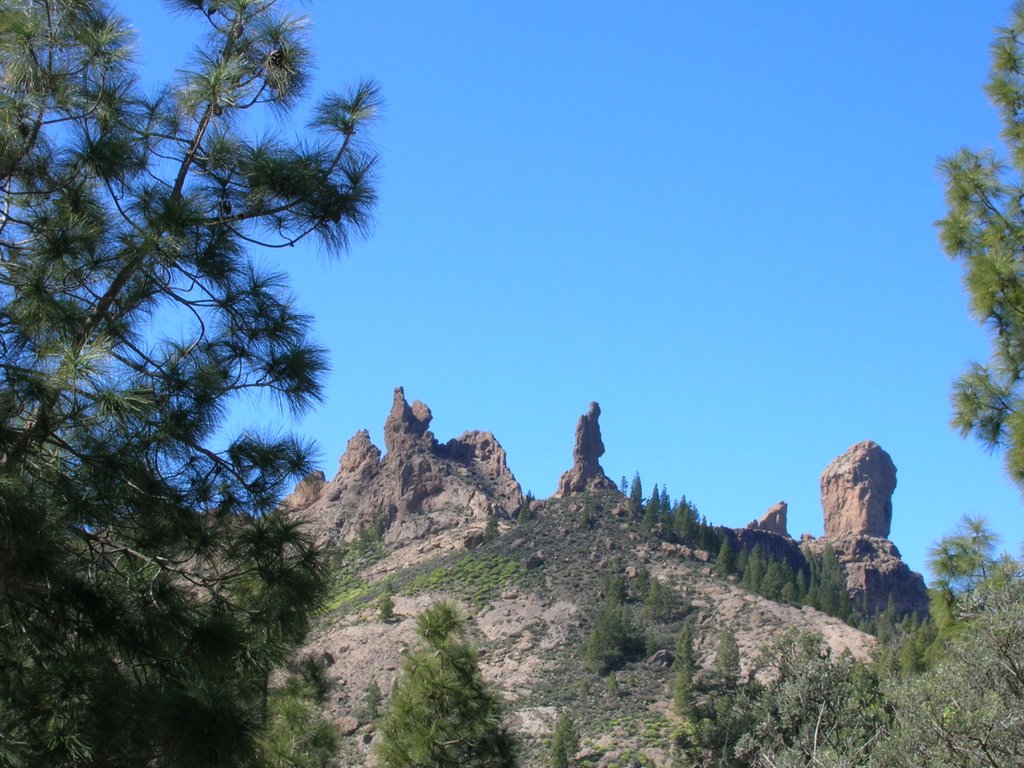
531	595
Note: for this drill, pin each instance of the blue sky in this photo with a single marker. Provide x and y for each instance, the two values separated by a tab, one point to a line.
717	220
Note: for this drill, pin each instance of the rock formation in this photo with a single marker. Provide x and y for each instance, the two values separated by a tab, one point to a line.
856	498
586	473
856	492
875	572
419	487
772	521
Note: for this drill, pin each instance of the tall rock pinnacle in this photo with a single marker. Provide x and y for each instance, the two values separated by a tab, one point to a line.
586	473
856	492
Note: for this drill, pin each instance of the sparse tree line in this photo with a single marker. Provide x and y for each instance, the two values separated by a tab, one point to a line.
820	584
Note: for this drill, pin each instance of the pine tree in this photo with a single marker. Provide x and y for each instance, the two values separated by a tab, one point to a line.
636	495
149	585
685	523
727	657
660	602
565	742
983	229
685	665
614	639
386	603
652	510
442	713
666	501
726	563
753	574
961	561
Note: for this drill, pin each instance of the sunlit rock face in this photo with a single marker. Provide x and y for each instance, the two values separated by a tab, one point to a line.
772	521
856	492
418	488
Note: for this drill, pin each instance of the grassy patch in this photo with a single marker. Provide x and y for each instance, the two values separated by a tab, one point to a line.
349	589
478	577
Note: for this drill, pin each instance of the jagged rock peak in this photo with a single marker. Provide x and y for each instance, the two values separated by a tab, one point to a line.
406	425
418	490
856	492
361	459
586	473
772	521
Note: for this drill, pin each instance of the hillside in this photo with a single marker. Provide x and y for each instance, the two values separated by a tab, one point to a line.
431	521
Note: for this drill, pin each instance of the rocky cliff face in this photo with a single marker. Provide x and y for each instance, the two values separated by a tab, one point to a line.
875	572
856	492
418	488
586	473
856	499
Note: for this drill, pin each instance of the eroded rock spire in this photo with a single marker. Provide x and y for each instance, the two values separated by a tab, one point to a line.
586	473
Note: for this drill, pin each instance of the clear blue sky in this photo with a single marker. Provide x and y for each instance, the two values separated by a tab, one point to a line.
714	219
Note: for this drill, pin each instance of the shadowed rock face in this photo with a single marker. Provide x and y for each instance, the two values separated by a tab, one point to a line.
875	572
586	473
856	492
418	488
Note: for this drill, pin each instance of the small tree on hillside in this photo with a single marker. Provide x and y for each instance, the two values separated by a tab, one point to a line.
442	714
726	563
636	495
614	640
727	657
565	742
685	665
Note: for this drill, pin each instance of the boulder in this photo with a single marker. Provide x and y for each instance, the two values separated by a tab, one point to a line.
856	492
586	473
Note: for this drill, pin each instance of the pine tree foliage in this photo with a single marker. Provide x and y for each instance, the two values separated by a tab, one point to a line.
726	562
614	639
727	656
984	230
441	712
148	586
565	742
685	665
961	561
968	710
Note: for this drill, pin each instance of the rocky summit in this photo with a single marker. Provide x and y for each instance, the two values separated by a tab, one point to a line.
418	489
